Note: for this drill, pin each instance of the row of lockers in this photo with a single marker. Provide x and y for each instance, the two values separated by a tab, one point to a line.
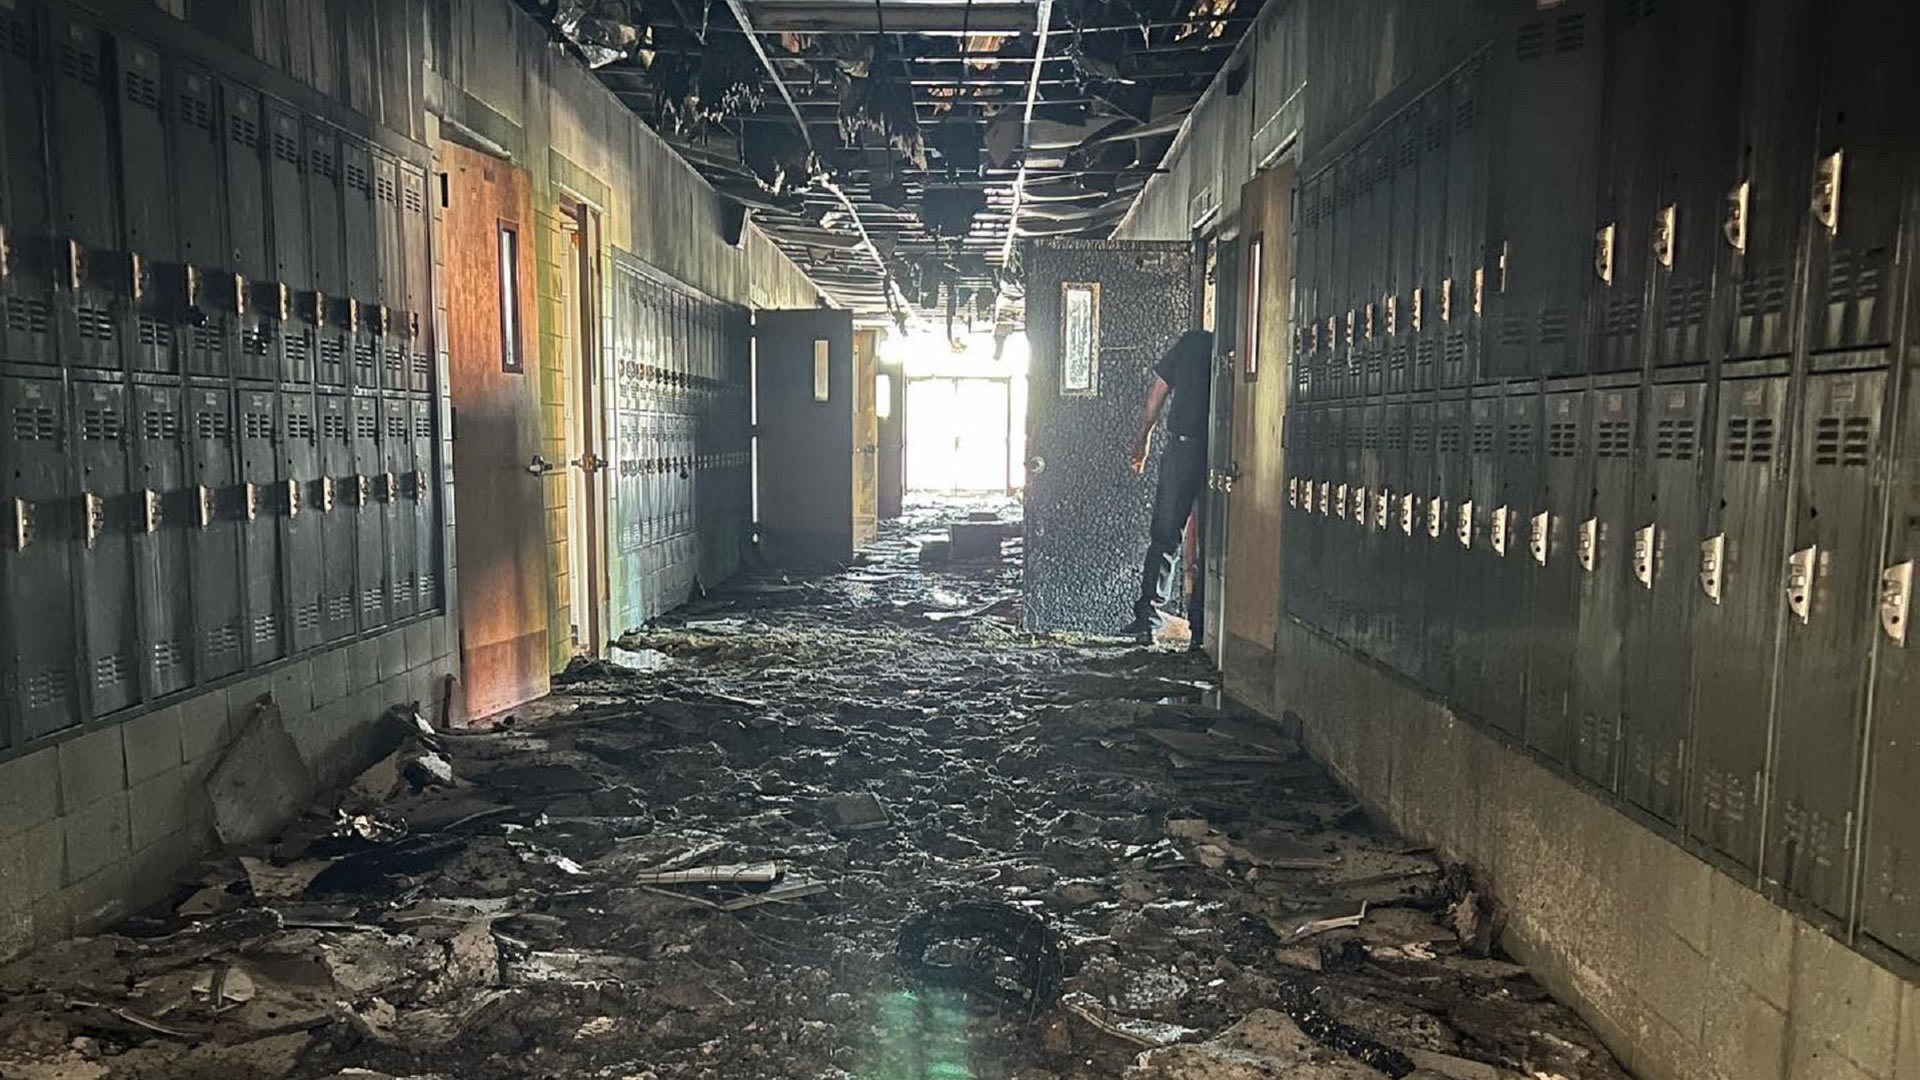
1685	593
167	534
1618	185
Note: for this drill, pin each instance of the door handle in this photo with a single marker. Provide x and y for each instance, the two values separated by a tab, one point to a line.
540	466
1896	598
1800	573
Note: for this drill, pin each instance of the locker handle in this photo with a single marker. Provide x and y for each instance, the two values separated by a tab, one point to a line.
362	490
1537	537
1380	502
389	488
1603	253
1589	543
540	466
23	522
326	494
1435	510
1800	571
76	265
1325	487
1463	524
293	498
155	510
6	254
250	496
1826	191
1643	544
139	276
1406	514
1340	502
1734	227
239	294
1293	492
1713	558
419	485
1896	599
1360	500
1500	531
203	506
1664	224
282	301
93	510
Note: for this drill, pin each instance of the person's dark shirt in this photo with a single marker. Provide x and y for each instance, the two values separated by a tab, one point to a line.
1188	369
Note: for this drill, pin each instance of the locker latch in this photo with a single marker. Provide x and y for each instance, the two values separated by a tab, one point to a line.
1393	314
1434	510
202	506
353	316
293	498
389	488
1325	486
1406	515
1537	537
1414	315
419	485
282	301
317	308
1500	286
1734	227
1351	319
94	509
139	276
413	325
22	524
190	287
1826	192
1603	253
1293	492
154	510
250	493
363	490
1664	224
6	254
76	265
1500	531
1380	509
240	294
1446	300
1896	597
1463	524
1340	502
326	494
381	320
1589	543
1643	540
1369	322
1800	570
1713	560
1361	498
1479	289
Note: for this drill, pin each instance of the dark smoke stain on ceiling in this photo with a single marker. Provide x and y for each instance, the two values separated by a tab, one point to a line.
898	150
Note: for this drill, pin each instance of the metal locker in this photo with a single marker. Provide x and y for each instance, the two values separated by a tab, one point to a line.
390	323
149	245
1603	548
1345	553
41	682
1668	522
327	300
1370	585
1550	533
1623	218
1445	557
91	269
105	518
1297	441
371	492
1306	291
1422	316
256	416
339	536
1534	290
215	533
1315	576
416	299
1466	267
247	290
1339	277
396	480
1469	530
1403	251
162	519
424	496
1829	584
302	500
188	291
1406	522
1371	282
1330	364
360	254
26	281
1736	622
1889	894
1509	613
1399	606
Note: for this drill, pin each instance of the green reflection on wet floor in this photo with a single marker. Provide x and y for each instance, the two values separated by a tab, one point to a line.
921	1036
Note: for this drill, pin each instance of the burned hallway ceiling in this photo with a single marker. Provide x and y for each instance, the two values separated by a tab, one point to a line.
898	150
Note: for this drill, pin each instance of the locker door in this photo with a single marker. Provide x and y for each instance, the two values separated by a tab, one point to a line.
1510	623
1407	521
417	300
339	540
1445	558
1737	621
1306	291
1466	219
200	201
26	330
1398	606
370	563
163	518
238	321
1433	232
396	455
361	257
260	476
1668	521
1342	553
389	321
1369	585
1341	359
91	305
1603	546
149	241
105	552
1316	427
1617	283
1470	531
1403	241
301	499
218	604
327	302
1296	436
41	682
1551	530
425	501
1829	581
1376	216
286	261
1889	895
1535	291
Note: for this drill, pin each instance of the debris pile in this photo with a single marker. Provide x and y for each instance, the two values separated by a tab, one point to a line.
855	826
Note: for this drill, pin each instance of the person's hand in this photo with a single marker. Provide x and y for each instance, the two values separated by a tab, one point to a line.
1137	459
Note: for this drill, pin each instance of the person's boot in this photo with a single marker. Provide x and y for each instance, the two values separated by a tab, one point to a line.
1142	627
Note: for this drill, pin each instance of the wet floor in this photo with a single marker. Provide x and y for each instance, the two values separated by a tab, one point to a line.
861	826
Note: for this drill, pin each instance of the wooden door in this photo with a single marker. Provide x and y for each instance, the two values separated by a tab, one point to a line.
804	365
500	521
1256	466
866	438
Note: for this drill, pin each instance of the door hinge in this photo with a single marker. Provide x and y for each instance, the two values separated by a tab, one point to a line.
1643	541
1826	191
1537	537
1589	542
1800	570
1664	224
1603	253
1500	531
1896	599
1463	524
1713	561
1734	225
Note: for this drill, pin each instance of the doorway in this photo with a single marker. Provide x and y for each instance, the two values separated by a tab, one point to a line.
586	438
958	436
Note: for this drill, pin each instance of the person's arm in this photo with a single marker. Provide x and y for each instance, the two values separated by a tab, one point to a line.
1156	401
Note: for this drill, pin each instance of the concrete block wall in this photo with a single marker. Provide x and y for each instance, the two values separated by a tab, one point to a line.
98	825
1686	972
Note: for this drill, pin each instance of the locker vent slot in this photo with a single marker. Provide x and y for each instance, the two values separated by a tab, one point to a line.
307	617
1456	348
422	427
415	202
396	427
1530	42
357	177
1616	439
1855	275
1674	440
396	362
143	91
322	162
1553	324
110	670
366	426
1423	354
206	339
364	361
371	600
1483	438
167	656
299	426
340	609
1622	317
196	111
1422	438
26	315
333	425
154	333
46	689
14	37
331	351
1396	437
34	423
1687	305
210	425
244	130
101	424
299	350
1450	438
1842	441
1563	439
1370	439
256	425
1570	33
160	424
1520	438
95	323
1466	114
221	641
383	189
266	629
1512	332
254	341
79	64
427	583
1353	436
421	366
1761	292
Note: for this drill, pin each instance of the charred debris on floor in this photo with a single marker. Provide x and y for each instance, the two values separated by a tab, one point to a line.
860	825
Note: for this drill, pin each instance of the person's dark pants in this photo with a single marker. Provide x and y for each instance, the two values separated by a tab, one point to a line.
1183	469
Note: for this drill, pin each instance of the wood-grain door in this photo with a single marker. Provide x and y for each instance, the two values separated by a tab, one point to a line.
866	437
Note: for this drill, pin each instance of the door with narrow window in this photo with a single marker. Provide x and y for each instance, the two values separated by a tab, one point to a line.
500	477
805	398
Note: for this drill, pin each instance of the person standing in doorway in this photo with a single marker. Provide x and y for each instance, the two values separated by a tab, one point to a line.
1184	375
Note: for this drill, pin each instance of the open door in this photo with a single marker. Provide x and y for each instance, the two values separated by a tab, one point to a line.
499	476
1099	314
1220	266
804	365
586	438
866	437
1257	483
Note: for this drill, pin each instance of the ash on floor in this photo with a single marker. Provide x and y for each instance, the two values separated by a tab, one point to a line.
860	826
